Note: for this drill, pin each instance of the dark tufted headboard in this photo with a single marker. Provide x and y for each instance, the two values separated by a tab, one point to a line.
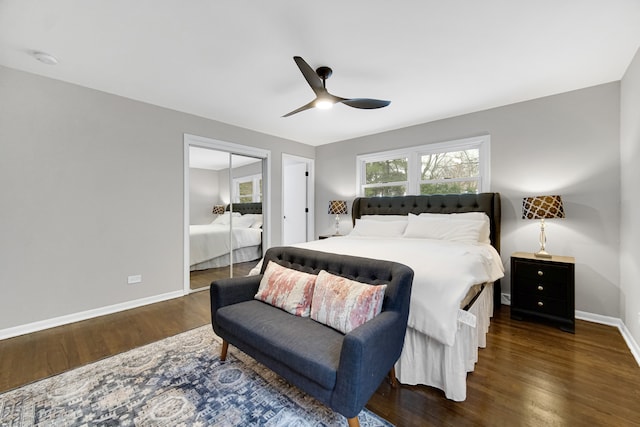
246	208
436	203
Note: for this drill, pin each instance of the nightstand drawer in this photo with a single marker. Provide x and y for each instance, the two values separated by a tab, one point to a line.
542	272
538	288
549	306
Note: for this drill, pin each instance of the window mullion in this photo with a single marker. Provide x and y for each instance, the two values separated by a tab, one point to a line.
413	173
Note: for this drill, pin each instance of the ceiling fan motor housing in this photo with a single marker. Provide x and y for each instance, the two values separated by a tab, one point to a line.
324	72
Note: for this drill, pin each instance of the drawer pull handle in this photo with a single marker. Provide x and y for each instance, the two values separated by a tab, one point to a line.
540	288
540	273
540	303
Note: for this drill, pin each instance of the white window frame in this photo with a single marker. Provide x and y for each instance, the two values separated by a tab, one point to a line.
255	192
414	155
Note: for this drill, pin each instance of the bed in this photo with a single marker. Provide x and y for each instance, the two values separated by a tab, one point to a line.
210	244
456	283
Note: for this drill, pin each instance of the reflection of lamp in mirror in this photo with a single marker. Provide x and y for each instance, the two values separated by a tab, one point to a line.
542	207
217	209
337	208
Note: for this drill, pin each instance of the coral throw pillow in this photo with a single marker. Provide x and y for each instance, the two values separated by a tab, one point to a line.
345	304
288	289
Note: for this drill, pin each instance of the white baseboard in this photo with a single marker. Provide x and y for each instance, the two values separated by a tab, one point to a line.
505	299
615	322
84	315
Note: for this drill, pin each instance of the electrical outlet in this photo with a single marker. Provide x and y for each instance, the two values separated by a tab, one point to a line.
505	299
134	279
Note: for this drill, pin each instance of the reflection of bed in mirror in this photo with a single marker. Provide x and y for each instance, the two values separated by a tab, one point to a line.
209	243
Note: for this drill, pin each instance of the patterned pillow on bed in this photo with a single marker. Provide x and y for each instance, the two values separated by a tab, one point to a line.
288	289
345	304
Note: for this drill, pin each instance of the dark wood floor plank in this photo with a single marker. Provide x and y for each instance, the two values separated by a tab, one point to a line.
529	374
203	278
41	354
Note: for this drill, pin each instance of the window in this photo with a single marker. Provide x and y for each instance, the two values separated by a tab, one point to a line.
460	166
450	172
386	177
247	189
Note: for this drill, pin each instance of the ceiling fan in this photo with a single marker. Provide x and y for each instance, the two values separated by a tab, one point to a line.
324	100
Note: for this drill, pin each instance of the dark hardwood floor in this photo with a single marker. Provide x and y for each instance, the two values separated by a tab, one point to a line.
202	278
529	374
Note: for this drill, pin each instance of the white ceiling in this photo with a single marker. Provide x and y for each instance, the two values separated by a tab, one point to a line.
232	60
205	158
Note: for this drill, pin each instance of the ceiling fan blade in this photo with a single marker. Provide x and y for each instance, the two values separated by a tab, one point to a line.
310	76
365	103
304	107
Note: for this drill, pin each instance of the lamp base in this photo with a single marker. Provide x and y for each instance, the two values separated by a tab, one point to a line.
543	254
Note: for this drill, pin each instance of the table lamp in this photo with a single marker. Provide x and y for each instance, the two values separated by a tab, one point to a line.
542	207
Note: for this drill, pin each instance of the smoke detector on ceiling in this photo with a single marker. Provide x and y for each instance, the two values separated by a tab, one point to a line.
45	58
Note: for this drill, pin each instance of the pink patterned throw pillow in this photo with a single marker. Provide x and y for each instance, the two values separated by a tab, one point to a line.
288	289
345	304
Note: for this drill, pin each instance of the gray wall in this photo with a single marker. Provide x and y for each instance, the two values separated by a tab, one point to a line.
92	191
566	144
630	202
204	192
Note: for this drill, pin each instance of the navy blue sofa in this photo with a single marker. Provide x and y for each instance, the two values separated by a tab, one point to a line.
342	371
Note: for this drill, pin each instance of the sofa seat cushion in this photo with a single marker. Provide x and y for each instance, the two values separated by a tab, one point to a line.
302	344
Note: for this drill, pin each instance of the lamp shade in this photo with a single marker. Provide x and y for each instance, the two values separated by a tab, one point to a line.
218	209
337	207
542	207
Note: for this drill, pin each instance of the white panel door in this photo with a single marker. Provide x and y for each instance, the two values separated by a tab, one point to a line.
294	222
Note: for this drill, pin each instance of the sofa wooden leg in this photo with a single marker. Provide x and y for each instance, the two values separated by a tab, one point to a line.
223	352
392	378
353	422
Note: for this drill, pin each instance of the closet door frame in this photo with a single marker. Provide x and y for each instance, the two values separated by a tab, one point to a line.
231	148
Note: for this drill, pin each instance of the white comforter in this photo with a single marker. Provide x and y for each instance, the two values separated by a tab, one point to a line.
443	274
212	240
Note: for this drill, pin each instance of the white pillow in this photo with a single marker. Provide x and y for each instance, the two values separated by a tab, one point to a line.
225	218
443	228
385	217
257	220
485	231
372	228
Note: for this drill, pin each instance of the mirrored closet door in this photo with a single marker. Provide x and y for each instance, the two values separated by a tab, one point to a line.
225	215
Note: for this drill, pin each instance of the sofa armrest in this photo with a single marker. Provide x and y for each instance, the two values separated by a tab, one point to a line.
230	291
368	354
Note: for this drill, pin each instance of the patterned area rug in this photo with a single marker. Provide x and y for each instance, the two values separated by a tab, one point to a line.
178	381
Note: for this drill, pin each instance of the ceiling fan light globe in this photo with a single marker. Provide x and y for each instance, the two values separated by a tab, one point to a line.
323	104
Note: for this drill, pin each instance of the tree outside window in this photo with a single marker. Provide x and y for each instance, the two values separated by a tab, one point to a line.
450	172
386	178
246	192
248	189
453	167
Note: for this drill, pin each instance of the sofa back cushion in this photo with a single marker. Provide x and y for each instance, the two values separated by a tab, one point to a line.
288	289
345	304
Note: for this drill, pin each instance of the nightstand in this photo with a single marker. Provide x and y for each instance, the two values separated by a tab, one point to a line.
543	289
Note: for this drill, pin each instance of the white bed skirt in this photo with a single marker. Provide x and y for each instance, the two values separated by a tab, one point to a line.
427	361
245	254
